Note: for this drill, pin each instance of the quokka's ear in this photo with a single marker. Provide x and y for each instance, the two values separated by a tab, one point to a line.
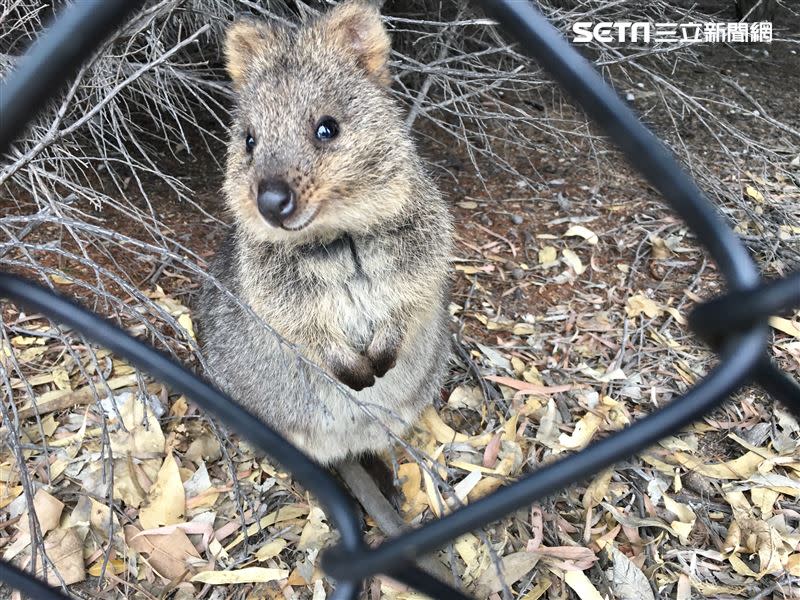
355	25
246	41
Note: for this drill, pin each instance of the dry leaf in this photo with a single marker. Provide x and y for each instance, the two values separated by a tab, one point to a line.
659	248
143	438
524	387
686	518
514	566
464	487
492	451
315	532
170	555
583	433
442	432
64	547
61	378
581	231
793	565
578	557
597	490
271	549
547	255
639	303
523	329
785	325
754	193
115	566
166	502
284	513
684	588
581	585
48	512
246	575
204	448
466	396
626	579
573	261
738	468
185	321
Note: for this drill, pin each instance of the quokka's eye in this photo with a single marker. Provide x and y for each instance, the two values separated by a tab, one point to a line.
327	128
249	143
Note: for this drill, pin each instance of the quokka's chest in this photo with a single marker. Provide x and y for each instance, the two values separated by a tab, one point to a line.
351	283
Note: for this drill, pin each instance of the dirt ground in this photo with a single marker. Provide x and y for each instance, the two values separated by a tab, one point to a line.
569	307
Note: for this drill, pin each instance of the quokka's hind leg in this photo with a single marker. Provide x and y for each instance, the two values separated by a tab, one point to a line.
367	492
383	476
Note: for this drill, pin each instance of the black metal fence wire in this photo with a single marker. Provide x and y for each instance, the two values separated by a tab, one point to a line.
734	324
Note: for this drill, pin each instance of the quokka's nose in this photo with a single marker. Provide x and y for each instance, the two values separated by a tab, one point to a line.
276	201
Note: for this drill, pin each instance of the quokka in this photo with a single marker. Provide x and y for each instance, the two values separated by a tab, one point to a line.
340	240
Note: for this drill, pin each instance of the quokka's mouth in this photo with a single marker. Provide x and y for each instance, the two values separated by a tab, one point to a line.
301	220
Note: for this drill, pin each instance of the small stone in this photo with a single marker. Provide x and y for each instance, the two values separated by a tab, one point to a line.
518	274
516	219
485	220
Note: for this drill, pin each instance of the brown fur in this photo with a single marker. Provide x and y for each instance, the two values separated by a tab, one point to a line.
357	277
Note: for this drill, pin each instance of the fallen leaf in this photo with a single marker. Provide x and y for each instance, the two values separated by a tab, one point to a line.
48	511
284	513
491	451
573	261
523	329
738	468
315	531
793	565
626	579
684	588
581	585
547	255
271	549
639	303
523	387
659	248
464	487
441	432
170	555
754	193
115	566
514	567
686	518
64	548
166	501
597	489
578	557
581	231
246	575
785	325
466	396
185	321
203	448
143	438
583	433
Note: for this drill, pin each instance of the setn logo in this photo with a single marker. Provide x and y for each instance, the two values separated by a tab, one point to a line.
610	31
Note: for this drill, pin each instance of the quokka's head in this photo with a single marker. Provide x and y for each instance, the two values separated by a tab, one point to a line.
318	146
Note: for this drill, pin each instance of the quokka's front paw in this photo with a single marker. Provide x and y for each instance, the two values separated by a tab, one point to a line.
356	373
383	357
